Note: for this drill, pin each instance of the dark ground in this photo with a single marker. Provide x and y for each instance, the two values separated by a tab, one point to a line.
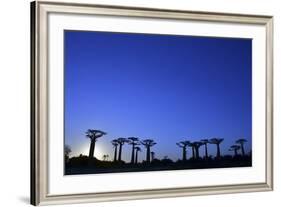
82	165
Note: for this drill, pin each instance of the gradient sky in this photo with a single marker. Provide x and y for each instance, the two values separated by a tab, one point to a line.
163	87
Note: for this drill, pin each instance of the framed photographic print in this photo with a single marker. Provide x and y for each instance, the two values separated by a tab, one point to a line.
133	103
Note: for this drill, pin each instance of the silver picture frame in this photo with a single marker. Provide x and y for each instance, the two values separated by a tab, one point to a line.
39	100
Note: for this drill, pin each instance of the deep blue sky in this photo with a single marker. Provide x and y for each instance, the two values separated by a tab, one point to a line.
165	87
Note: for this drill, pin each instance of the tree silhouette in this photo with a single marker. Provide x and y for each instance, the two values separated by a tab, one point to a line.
183	145
67	151
205	143
121	141
105	157
93	135
115	145
191	144
217	142
235	148
197	145
148	143
241	142
138	149
134	141
152	155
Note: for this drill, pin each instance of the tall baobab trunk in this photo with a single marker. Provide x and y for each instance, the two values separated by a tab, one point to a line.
235	153
137	150
133	141
148	154
121	141
136	160
197	152
217	141
193	152
92	149
184	153
206	151
115	153
242	149
152	156
120	152
133	154
93	135
218	151
235	149
148	143
241	143
183	145
205	142
197	145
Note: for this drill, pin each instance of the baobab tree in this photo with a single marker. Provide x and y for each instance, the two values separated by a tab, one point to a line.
115	145
217	142
121	141
152	155
205	143
148	143
234	148
183	145
190	144
105	157
93	135
197	145
134	141
241	142
138	149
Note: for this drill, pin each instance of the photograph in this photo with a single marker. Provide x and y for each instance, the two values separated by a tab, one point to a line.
132	102
150	102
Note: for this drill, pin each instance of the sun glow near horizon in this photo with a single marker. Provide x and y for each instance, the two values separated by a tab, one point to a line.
84	150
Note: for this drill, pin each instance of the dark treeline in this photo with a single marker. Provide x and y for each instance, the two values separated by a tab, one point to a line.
90	164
